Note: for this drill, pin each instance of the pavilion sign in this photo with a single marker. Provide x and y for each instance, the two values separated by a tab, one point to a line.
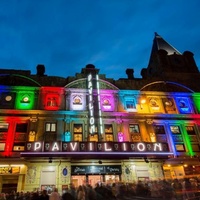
96	147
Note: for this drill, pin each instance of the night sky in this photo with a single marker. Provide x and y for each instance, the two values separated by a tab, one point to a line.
66	35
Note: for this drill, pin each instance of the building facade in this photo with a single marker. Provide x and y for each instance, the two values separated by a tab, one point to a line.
55	131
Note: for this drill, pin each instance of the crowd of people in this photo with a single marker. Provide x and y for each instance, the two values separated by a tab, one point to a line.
176	189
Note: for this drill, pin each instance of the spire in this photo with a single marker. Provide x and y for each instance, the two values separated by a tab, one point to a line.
160	43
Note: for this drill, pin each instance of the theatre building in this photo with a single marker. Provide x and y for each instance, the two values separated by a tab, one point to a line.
55	131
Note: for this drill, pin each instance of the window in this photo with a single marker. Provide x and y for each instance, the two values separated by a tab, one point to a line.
4	127
3	130
175	129
160	135
159	129
190	130
50	127
108	132
183	105
194	141
52	102
134	128
7	100
78	132
21	132
177	138
130	105
169	105
135	133
22	127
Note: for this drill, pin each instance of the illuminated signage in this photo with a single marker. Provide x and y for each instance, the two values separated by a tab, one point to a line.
96	147
96	169
99	106
91	105
9	170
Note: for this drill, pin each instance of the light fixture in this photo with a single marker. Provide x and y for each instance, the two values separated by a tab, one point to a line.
100	162
50	160
146	160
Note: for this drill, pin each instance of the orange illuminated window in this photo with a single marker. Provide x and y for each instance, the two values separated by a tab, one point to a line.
78	132
108	132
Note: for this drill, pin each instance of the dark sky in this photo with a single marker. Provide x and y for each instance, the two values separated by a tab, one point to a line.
66	35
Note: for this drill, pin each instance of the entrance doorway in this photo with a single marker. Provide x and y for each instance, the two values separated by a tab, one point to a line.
7	188
93	180
9	183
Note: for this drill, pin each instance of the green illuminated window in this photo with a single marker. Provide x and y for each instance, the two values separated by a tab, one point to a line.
25	101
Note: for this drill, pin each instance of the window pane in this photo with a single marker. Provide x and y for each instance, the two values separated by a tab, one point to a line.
48	127
159	129
53	127
3	127
134	128
22	127
190	130
175	129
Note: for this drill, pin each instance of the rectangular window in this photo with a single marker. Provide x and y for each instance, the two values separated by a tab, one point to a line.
193	138
175	129
159	129
134	128
22	127
190	130
3	130
78	132
159	133
177	138
108	132
130	104
108	128
50	127
180	147
4	127
134	133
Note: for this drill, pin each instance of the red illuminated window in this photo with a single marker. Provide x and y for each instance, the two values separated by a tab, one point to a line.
52	102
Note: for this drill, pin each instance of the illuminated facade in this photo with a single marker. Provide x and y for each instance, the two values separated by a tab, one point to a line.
88	129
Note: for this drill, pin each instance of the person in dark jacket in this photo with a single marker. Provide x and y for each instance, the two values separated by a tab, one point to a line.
67	196
44	195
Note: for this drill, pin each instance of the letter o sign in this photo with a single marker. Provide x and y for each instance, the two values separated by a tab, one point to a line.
140	146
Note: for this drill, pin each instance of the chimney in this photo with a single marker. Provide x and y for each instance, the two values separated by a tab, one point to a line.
40	70
129	73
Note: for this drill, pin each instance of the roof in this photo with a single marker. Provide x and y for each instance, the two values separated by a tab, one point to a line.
160	43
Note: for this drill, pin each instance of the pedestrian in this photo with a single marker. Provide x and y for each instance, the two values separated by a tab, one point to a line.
54	195
67	196
44	195
80	193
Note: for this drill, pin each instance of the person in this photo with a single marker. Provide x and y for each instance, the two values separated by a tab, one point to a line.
54	195
80	193
67	196
44	195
